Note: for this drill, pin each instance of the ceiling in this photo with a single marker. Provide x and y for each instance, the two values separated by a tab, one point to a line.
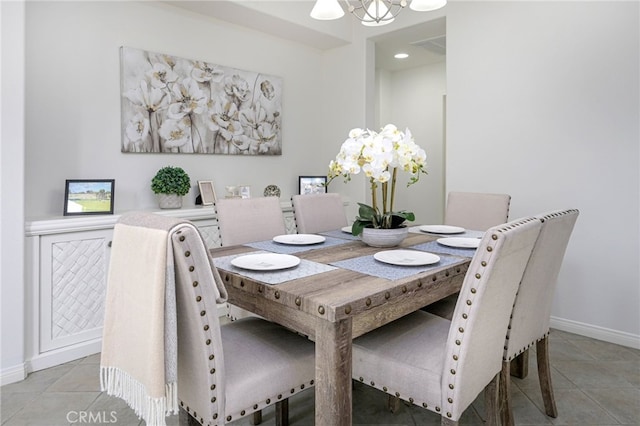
423	42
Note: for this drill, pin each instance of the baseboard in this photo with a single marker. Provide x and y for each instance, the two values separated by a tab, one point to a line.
596	332
64	355
13	374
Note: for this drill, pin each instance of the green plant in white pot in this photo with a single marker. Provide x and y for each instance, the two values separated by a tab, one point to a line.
171	184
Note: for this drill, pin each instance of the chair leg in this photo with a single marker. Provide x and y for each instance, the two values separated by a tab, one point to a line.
393	403
256	418
506	410
520	365
544	374
282	413
491	401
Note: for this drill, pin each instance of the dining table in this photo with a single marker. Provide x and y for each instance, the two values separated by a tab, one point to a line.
340	290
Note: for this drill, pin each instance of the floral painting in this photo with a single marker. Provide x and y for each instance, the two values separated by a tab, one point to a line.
176	105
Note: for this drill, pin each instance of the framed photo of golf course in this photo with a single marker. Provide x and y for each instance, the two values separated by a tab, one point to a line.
90	196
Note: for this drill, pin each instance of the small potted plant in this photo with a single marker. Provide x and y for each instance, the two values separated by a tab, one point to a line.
171	184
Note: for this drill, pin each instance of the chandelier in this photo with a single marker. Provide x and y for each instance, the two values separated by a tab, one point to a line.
372	12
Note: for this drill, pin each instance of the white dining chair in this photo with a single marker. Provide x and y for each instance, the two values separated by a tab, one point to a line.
315	213
443	365
529	324
224	372
475	210
246	220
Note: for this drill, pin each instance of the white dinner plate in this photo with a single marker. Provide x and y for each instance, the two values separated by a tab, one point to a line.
299	239
406	257
346	229
442	229
460	242
265	261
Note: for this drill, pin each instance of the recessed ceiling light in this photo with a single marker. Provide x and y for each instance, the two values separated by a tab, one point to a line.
401	55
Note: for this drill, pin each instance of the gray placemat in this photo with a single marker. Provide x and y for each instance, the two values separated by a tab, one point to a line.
469	233
306	268
273	247
341	235
435	247
368	265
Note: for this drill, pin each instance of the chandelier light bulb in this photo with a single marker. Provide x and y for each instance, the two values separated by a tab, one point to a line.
327	10
426	5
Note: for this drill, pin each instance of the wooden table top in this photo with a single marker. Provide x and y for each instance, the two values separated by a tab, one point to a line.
341	294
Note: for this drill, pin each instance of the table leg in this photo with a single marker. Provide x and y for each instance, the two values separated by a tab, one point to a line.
333	373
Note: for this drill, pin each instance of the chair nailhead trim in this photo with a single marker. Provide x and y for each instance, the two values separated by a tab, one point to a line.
215	416
255	406
453	371
448	414
268	401
450	400
195	283
384	388
398	394
411	400
321	310
228	418
242	413
191	268
424	404
187	253
198	298
181	238
451	386
437	409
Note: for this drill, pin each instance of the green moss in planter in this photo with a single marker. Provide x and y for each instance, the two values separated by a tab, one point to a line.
171	180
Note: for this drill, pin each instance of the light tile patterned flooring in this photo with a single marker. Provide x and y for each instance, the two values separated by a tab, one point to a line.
595	383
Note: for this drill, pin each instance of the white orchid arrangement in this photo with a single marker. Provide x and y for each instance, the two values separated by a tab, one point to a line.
379	156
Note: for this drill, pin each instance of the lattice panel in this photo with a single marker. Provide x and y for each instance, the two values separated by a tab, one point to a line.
290	224
211	236
78	286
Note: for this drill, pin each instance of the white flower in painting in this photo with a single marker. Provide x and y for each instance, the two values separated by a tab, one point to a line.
161	75
176	132
150	98
237	88
204	72
253	117
137	128
189	98
221	115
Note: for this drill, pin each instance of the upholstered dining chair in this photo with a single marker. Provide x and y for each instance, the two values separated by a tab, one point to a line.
475	210
529	322
318	212
443	365
245	220
224	372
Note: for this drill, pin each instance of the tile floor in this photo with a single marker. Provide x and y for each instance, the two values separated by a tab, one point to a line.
595	383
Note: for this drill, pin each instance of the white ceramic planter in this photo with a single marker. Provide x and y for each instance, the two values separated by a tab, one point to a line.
384	237
170	201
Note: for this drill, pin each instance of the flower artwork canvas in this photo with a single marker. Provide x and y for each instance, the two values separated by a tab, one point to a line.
177	105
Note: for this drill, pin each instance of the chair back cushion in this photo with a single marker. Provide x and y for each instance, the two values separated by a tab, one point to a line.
201	374
245	220
476	337
477	211
318	212
532	308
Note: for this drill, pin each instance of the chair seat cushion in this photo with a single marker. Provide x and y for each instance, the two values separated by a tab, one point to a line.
405	356
263	359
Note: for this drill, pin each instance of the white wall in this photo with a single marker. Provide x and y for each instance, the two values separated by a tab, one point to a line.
415	100
12	367
543	104
73	100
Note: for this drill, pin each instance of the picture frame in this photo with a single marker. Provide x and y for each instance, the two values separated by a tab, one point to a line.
312	185
207	192
89	196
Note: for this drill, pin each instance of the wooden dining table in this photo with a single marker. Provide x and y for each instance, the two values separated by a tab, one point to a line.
337	305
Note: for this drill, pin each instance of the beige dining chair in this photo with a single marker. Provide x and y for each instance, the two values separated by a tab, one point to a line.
246	220
443	365
224	371
529	322
475	210
318	212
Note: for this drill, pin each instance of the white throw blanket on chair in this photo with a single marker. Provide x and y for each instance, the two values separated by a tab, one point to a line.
139	343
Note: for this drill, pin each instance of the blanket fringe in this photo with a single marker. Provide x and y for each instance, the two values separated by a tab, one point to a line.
152	410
